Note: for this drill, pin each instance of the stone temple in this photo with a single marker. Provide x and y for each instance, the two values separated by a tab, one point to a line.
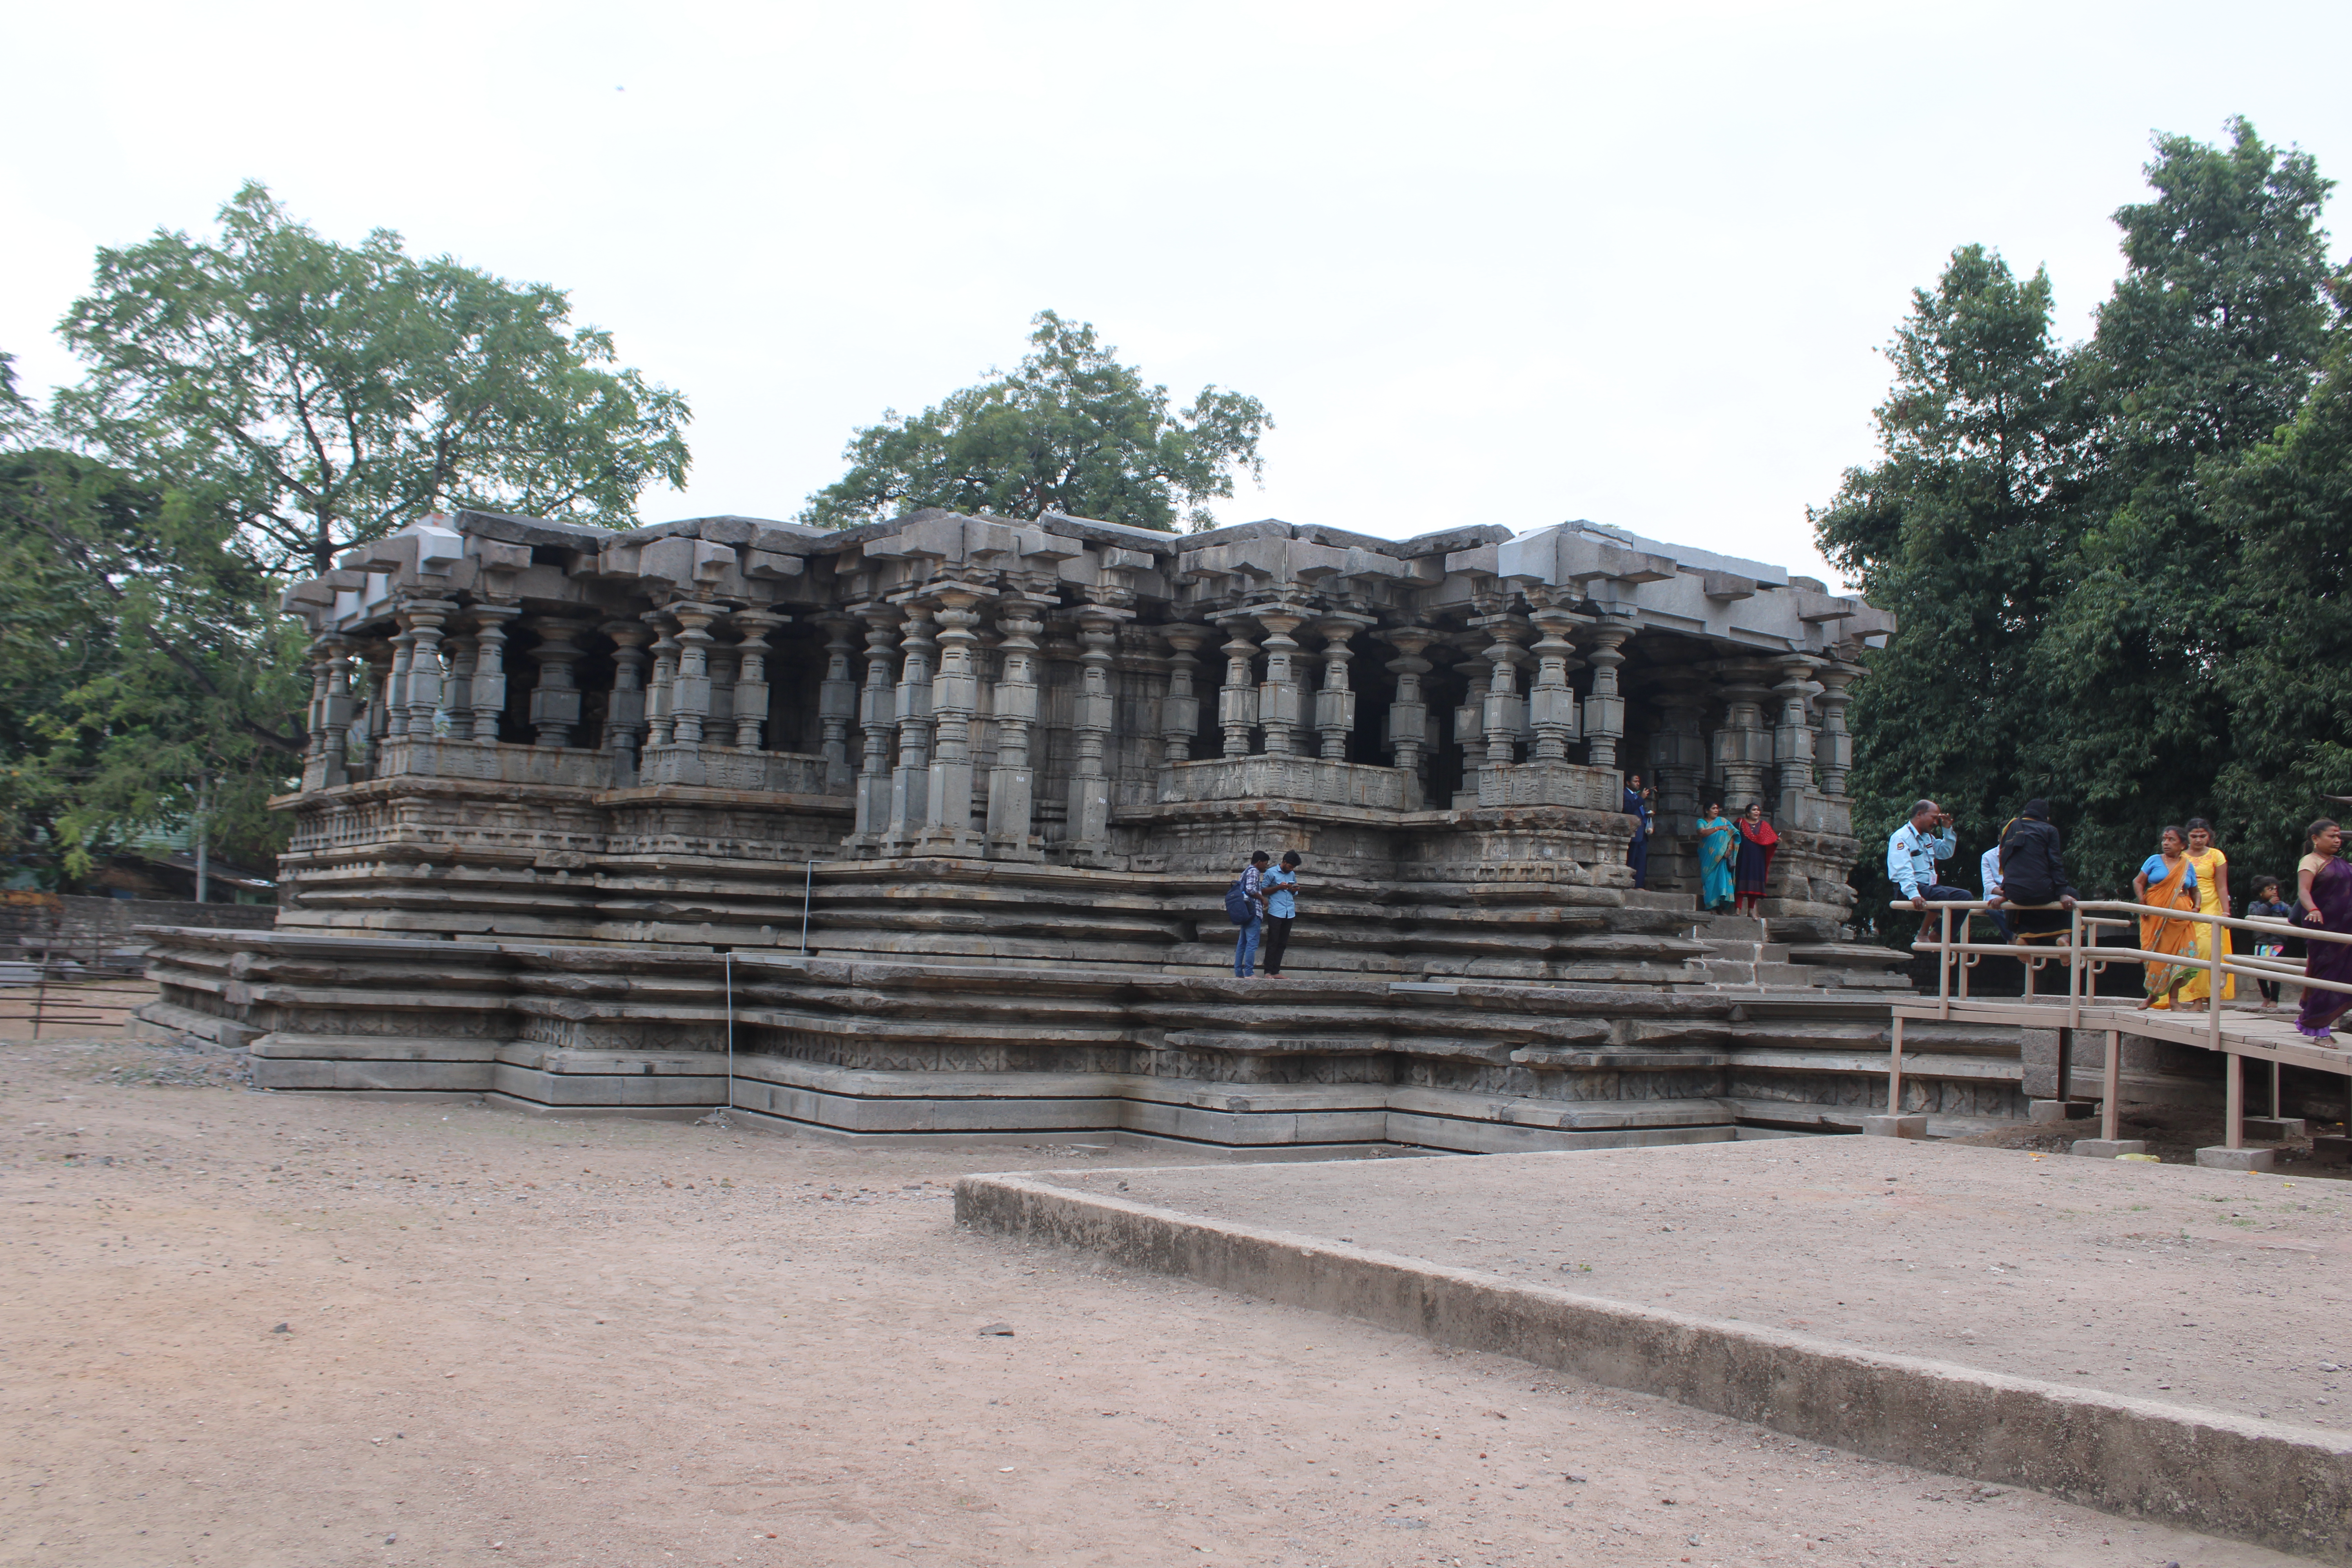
923	828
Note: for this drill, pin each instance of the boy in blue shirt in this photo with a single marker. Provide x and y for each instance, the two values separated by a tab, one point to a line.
1281	886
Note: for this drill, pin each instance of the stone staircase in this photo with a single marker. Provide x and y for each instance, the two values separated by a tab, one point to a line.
1743	957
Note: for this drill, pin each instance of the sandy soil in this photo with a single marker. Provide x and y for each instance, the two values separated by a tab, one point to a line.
2222	1290
252	1330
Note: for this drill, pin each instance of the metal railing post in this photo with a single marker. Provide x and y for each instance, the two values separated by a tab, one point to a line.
1944	961
2076	969
2111	1085
1895	1071
2234	1070
2213	934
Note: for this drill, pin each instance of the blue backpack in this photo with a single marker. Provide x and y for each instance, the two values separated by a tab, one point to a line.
1240	908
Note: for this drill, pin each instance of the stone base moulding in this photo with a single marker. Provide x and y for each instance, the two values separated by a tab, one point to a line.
2286	1488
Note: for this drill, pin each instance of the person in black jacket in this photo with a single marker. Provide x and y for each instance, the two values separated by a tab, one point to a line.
2033	871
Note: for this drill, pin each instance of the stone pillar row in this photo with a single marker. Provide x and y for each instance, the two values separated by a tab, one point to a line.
904	741
916	786
1278	707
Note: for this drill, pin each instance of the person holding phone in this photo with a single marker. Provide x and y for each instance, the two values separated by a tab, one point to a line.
1281	888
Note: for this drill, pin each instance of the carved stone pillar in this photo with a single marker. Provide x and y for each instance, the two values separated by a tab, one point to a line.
690	690
837	703
661	698
1792	737
751	685
1335	703
555	700
455	717
1551	703
1237	699
319	651
489	684
1089	818
331	713
1281	710
878	721
403	654
911	783
1408	736
1836	758
1470	722
1013	783
1505	714
1678	752
718	725
1604	709
955	699
379	703
624	714
1180	711
1743	748
340	708
422	620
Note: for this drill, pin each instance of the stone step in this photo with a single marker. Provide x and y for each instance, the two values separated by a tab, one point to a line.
1749	952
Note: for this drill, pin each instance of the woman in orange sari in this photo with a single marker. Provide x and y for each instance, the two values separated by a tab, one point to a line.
2168	880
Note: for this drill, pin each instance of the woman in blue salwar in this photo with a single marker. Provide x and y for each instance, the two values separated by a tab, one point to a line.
1719	845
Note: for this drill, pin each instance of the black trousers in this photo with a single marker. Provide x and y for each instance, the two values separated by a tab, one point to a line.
1277	937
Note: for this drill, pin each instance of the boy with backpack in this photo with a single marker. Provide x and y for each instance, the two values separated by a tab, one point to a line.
1245	907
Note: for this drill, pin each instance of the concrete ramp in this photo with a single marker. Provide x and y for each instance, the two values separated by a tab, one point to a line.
2159	1341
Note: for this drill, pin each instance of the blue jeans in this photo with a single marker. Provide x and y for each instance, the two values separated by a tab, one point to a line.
1245	947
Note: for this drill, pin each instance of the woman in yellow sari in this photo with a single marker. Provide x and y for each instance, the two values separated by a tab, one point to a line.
2213	898
2169	882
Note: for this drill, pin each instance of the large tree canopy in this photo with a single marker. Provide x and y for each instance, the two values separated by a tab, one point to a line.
1958	531
2120	567
319	396
1070	430
257	403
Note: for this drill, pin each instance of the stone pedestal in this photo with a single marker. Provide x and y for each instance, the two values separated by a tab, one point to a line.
2108	1148
2218	1158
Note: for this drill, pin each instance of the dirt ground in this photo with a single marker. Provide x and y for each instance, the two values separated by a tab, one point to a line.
2140	1280
257	1329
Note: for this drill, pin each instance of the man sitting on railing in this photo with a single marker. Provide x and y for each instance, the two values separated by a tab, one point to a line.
2033	871
1912	851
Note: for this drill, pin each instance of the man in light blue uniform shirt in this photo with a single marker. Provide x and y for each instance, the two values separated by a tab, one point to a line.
1912	851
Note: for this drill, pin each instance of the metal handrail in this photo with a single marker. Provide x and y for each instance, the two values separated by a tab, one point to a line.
1956	958
2086	958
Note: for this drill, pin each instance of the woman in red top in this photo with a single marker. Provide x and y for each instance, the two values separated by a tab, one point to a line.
1757	842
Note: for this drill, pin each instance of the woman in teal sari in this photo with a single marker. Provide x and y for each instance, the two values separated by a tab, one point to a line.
1718	845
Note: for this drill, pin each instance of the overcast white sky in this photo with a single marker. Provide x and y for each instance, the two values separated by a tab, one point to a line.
1484	263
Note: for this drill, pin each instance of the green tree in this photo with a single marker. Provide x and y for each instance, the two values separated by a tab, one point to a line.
321	395
1958	530
1070	430
2209	344
145	677
2284	512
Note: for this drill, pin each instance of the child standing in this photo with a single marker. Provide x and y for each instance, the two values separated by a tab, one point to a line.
2265	905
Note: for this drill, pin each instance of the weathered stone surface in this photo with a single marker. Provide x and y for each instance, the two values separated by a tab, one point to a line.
949	800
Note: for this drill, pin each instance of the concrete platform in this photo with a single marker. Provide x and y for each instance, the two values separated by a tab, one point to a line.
2159	1341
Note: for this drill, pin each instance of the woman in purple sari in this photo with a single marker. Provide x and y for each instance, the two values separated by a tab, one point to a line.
2328	894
